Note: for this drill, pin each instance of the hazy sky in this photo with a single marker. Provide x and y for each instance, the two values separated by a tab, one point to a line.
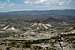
18	5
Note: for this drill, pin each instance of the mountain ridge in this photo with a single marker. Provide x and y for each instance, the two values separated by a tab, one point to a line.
66	12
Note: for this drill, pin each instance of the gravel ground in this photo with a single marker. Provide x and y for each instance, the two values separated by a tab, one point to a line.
2	47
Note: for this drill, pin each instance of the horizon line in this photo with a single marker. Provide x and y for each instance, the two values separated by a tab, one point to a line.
35	10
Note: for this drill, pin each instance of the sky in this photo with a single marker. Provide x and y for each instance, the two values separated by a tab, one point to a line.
20	5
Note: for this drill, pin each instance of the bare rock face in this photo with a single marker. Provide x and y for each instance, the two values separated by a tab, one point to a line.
41	26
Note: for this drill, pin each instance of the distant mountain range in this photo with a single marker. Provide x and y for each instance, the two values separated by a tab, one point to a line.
66	12
67	15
